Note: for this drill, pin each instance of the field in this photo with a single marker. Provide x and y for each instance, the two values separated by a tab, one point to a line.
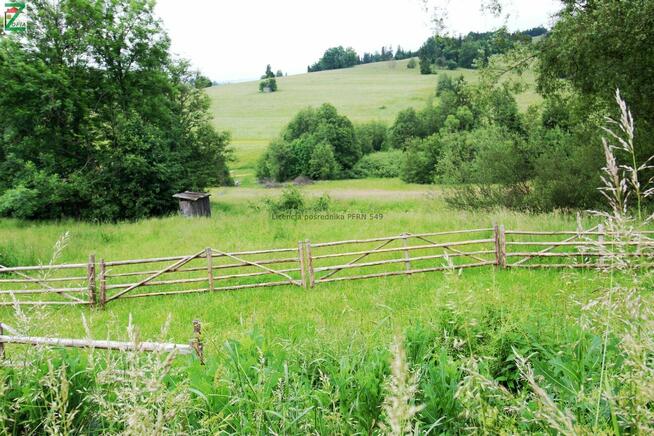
334	310
337	334
289	360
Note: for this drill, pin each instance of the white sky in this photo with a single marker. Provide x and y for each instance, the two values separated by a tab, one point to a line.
235	39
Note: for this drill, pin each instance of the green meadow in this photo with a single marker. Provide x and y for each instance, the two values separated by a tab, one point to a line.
290	360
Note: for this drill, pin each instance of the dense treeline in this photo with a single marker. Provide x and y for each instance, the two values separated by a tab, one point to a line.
338	57
99	122
471	50
436	52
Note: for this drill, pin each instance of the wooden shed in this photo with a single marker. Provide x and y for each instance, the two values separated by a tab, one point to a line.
194	203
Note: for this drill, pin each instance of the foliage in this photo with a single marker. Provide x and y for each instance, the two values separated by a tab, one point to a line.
382	164
101	123
316	143
293	201
466	52
268	74
407	125
201	81
371	136
411	64
269	85
335	58
420	159
338	57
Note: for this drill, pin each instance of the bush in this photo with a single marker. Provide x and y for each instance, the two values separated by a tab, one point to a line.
316	143
412	64
322	165
292	200
371	136
384	164
407	126
270	84
420	159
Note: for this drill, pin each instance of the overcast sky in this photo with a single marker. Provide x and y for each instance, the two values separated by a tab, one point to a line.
234	40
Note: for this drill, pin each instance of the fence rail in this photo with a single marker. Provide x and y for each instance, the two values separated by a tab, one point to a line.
195	346
99	282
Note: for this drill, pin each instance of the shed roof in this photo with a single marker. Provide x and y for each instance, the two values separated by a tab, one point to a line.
192	196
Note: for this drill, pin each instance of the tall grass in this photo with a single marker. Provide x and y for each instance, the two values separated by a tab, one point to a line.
485	352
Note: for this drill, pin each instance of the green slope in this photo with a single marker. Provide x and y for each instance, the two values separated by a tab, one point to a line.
366	92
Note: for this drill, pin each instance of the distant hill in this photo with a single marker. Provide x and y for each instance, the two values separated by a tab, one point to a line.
376	91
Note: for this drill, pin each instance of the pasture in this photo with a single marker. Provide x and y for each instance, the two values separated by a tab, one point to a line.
293	360
333	311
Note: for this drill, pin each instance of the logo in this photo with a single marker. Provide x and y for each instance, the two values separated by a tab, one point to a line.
13	17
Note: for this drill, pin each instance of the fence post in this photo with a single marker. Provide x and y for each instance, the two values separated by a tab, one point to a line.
496	237
197	340
209	255
312	276
2	344
103	284
303	273
600	242
90	278
407	257
502	246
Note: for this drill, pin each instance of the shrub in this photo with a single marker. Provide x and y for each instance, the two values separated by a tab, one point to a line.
371	136
322	165
317	143
292	200
407	126
412	64
270	84
384	164
420	159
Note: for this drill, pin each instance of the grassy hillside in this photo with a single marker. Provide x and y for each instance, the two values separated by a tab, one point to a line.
366	92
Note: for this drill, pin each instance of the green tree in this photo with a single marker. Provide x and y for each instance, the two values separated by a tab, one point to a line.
200	81
296	152
407	126
371	136
100	123
269	73
322	165
336	58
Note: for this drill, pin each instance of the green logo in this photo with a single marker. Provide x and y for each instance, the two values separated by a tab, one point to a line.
13	18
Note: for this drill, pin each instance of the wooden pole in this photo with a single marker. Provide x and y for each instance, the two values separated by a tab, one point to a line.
303	273
90	278
103	284
209	255
100	345
2	344
600	242
312	275
407	256
197	340
496	237
502	238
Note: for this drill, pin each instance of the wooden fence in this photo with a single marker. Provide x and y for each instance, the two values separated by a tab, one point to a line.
14	337
309	264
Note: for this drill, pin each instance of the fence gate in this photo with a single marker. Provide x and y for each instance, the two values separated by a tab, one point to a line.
209	270
68	284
